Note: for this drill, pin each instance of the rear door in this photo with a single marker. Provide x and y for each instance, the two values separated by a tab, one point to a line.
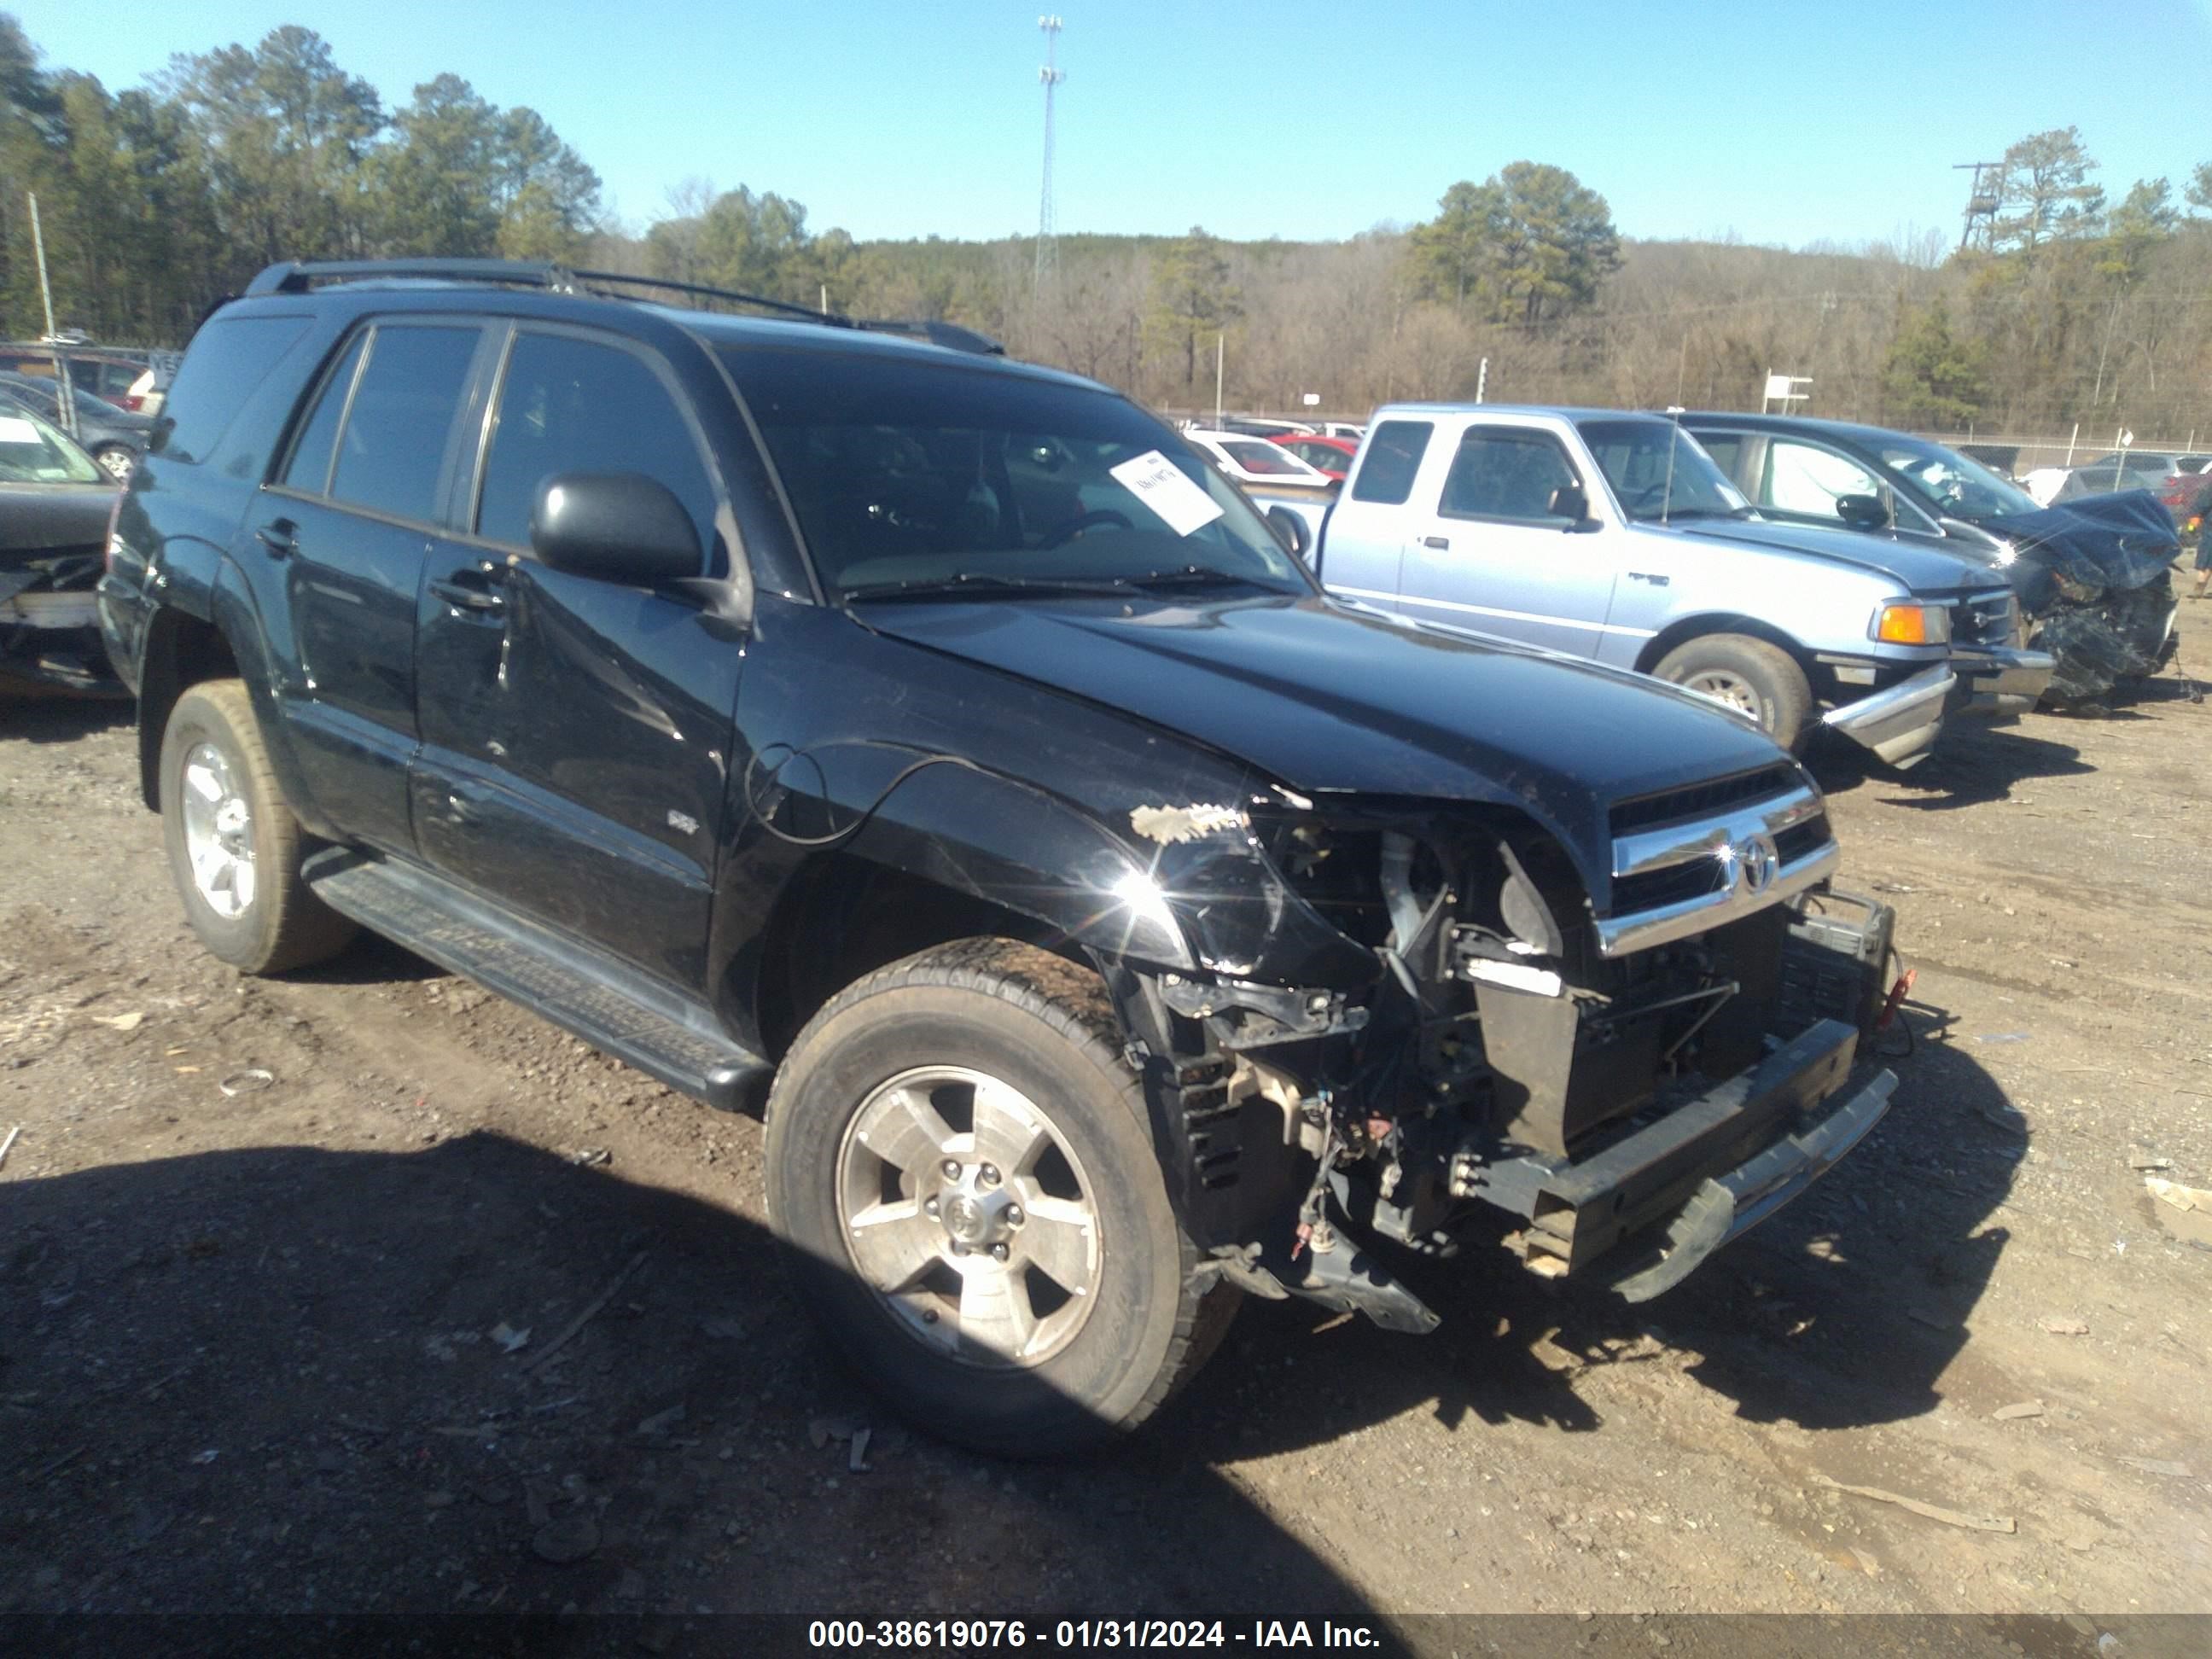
575	731
350	519
1490	552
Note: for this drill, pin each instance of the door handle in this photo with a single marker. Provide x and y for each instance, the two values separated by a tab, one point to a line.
1440	543
475	589
279	539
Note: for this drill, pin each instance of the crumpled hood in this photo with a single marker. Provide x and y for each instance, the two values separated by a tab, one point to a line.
1327	698
2124	541
1918	567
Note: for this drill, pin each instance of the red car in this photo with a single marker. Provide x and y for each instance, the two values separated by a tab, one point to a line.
2177	490
1329	455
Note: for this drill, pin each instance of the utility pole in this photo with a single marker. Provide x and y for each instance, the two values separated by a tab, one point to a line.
1220	358
65	394
1047	248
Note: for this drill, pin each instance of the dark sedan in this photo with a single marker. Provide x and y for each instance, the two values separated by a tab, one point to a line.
54	508
114	437
2090	570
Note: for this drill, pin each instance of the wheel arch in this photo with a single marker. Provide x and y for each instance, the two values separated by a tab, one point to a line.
842	916
1683	630
181	651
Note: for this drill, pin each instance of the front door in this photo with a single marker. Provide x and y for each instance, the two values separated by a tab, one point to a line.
575	731
1496	555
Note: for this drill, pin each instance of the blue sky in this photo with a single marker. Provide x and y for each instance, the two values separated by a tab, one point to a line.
1782	122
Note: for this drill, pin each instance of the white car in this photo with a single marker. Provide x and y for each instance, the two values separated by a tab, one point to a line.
1255	460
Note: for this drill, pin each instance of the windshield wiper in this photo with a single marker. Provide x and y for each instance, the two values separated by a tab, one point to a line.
1682	513
1192	575
972	582
968	582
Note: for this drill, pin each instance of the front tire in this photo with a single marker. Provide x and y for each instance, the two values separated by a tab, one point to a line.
115	460
960	1166
1748	675
233	846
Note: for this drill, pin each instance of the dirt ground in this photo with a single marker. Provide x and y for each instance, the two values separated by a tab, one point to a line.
260	1244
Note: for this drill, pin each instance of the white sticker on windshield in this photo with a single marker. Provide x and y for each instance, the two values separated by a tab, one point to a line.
1163	486
15	429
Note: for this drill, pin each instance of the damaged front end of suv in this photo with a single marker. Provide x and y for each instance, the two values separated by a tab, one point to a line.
1409	1014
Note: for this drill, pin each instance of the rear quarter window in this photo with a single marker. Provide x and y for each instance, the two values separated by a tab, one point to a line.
228	360
1393	456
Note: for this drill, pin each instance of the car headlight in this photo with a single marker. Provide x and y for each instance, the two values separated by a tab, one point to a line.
1912	624
2004	553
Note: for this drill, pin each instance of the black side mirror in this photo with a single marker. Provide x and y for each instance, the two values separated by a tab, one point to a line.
617	526
1290	529
1863	512
1569	502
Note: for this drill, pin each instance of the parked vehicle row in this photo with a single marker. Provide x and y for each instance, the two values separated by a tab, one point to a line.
129	379
1614	537
2162	473
114	437
1114	922
54	507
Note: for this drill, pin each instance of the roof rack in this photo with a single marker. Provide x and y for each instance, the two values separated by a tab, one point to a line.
299	276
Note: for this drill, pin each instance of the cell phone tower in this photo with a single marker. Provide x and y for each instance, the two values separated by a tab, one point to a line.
1048	246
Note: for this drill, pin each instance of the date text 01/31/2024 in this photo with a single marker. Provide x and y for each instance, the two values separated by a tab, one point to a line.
875	1635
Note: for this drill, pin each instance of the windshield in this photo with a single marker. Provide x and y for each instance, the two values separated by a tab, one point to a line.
31	451
915	475
1961	485
1658	471
1257	455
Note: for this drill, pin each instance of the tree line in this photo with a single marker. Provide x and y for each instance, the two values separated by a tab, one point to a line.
2067	308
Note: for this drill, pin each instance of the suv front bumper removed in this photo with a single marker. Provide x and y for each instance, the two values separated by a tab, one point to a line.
1640	1215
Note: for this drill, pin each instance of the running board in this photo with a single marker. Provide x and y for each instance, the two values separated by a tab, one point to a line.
651	1026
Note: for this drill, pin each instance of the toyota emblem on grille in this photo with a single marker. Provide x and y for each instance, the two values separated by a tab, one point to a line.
1757	863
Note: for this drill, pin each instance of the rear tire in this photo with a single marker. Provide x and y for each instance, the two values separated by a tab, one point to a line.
1762	680
961	1167
233	846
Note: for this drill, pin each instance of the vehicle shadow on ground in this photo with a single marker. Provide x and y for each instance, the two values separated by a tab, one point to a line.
1971	766
40	716
278	1380
1842	1311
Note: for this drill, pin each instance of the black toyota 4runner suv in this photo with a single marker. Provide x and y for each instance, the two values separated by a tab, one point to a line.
1113	923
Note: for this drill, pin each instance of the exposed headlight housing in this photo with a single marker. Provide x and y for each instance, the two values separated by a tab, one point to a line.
1912	624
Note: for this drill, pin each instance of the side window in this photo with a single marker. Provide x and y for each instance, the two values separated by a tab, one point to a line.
1503	474
394	444
1806	479
572	405
1393	457
309	469
1727	450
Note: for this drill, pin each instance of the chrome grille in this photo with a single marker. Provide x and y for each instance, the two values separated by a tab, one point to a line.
1679	878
